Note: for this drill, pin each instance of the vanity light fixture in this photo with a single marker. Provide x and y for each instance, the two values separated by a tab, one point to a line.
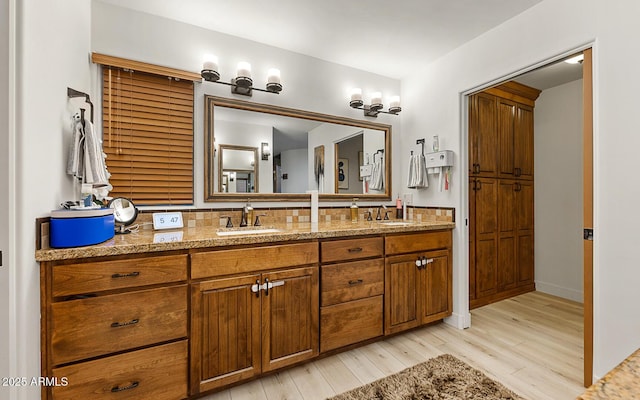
242	83
376	105
265	150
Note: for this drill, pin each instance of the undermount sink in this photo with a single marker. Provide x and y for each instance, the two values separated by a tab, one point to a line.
396	223
240	232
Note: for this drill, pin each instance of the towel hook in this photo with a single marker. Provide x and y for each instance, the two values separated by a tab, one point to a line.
421	141
71	93
379	151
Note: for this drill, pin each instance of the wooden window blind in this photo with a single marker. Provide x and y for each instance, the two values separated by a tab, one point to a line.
148	136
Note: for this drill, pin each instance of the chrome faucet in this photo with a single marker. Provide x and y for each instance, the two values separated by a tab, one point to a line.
386	213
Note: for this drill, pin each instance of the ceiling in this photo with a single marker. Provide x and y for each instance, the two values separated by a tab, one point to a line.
384	37
551	75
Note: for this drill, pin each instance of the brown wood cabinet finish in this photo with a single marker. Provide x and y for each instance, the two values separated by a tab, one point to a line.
252	259
418	285
483	135
94	277
225	332
351	322
352	281
239	328
351	249
86	328
116	327
485	201
144	327
351	292
290	318
158	373
501	202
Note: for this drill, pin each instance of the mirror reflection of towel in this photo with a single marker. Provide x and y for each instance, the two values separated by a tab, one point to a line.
417	178
377	173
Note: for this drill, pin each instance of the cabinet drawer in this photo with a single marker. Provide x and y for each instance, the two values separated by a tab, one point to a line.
347	323
107	275
350	249
252	259
414	242
158	373
351	281
97	326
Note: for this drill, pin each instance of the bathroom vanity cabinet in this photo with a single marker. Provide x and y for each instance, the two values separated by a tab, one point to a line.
117	326
352	289
418	280
180	323
255	310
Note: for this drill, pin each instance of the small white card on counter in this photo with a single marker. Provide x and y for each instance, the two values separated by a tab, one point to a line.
167	220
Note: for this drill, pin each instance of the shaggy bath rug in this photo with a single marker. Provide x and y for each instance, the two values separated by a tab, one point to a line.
441	378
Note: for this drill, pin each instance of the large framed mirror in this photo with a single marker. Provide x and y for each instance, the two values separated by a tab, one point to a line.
293	151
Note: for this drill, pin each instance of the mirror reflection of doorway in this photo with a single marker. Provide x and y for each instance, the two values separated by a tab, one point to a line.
347	167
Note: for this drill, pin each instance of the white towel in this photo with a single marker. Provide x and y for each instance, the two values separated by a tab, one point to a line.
377	173
417	178
86	159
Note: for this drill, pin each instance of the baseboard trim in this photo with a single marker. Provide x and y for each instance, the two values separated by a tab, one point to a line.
560	291
459	321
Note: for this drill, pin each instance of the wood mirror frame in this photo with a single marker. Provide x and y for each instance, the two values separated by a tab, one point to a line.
211	188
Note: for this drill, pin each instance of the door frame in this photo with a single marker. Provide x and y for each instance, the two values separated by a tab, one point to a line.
588	185
587	204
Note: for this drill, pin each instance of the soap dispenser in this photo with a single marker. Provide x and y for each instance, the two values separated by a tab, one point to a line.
354	211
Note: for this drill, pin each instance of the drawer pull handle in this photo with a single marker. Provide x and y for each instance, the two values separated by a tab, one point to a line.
129	275
133	385
120	325
356	282
355	250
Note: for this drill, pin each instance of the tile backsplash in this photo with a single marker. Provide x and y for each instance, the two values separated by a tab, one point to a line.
271	216
268	216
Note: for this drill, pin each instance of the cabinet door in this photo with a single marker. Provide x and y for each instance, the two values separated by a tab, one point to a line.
523	142
525	232
225	332
435	286
401	302
290	317
507	232
483	135
472	240
506	131
486	235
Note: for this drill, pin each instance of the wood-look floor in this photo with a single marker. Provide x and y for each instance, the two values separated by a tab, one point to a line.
531	343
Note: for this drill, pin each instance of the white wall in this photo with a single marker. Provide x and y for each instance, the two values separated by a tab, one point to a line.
558	191
295	163
53	41
309	83
7	359
549	29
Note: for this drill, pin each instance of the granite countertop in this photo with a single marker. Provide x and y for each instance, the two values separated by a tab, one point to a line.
147	240
622	382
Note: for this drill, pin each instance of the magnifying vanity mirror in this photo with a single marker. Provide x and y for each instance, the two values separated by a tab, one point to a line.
124	213
277	153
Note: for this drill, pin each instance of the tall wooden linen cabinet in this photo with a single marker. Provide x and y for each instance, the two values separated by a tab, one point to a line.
501	240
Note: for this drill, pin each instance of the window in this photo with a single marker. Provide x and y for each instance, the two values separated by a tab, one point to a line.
148	136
